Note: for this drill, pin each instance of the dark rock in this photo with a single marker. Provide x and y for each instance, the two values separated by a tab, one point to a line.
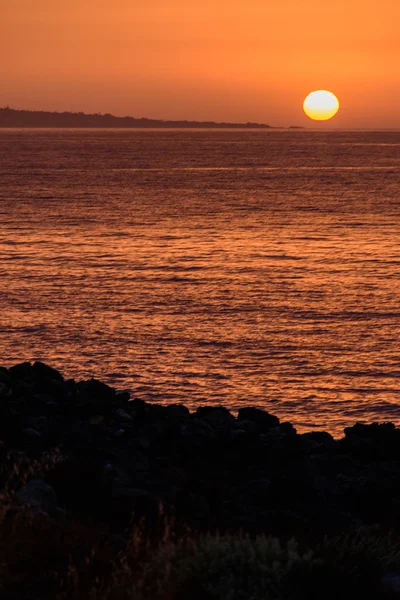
71	388
143	443
114	477
122	399
52	408
141	408
146	412
95	397
249	495
123	415
40	400
370	442
93	388
119	433
286	429
42	371
139	464
330	579
21	371
197	432
37	405
177	412
133	494
39	496
391	582
4	390
78	484
23	388
193	506
374	431
128	501
246	427
207	468
147	435
157	412
261	417
244	441
318	439
31	433
52	387
96	425
118	542
5	377
194	589
215	415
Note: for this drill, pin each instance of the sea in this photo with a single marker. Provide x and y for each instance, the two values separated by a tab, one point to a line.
223	267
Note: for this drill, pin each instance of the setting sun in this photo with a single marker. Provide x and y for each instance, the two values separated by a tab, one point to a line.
321	105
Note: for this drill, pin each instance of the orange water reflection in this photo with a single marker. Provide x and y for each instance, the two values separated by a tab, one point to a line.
167	264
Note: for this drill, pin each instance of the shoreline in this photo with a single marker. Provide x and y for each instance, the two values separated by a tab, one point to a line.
112	496
208	468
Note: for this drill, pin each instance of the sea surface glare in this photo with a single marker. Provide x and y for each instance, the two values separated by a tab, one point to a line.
224	267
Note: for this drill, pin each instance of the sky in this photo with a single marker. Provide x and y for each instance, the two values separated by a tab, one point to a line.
220	60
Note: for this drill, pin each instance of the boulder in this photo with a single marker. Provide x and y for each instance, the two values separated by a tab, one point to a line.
261	417
122	399
141	408
95	397
39	496
77	482
286	428
218	416
42	371
21	371
370	442
123	415
391	583
31	433
245	426
177	412
5	377
373	432
4	390
319	439
196	433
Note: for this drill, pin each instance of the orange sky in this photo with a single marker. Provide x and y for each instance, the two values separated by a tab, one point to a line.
235	60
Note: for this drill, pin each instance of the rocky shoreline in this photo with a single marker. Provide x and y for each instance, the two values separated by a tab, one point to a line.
102	455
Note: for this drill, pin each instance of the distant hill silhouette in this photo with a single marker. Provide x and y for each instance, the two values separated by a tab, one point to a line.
10	117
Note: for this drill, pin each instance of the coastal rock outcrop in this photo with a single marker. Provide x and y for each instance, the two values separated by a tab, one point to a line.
117	456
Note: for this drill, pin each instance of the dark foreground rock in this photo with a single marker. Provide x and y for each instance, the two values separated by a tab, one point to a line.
113	456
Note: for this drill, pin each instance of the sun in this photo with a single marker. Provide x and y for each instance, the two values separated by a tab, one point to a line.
321	105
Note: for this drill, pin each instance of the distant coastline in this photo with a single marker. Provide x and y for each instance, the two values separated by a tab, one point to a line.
10	117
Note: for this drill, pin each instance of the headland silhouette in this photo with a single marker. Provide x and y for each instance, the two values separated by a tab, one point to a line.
10	117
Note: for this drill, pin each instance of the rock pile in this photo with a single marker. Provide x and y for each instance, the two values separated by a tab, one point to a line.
119	456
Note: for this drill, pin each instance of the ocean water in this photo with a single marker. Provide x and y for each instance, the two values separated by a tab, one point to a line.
225	267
